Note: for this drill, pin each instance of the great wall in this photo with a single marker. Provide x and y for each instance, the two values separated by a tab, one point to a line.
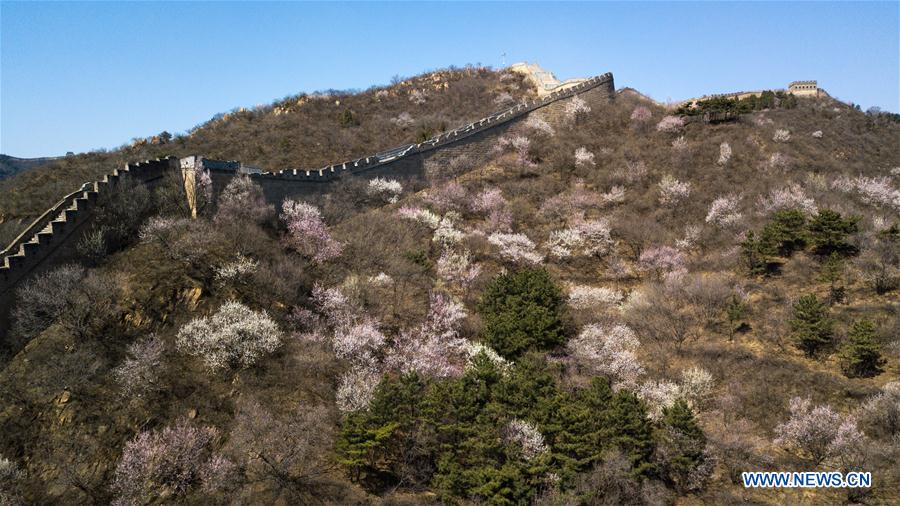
51	239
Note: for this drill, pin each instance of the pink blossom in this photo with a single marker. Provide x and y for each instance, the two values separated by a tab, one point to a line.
457	268
539	125
817	432
356	387
241	200
609	351
670	124
174	460
575	108
661	260
641	114
434	348
307	233
451	196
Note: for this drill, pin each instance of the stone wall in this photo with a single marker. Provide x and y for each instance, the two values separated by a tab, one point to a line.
51	239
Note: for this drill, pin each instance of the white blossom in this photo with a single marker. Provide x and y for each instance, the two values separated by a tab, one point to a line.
516	247
356	388
387	189
609	350
673	191
234	336
585	297
724	211
527	437
724	153
584	158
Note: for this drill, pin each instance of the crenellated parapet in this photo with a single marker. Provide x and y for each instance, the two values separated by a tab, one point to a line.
51	238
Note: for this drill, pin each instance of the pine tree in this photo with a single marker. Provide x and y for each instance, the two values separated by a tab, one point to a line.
685	462
785	233
830	233
832	272
522	311
736	311
811	326
861	356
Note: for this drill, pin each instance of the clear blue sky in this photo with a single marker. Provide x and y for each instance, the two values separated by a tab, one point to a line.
80	76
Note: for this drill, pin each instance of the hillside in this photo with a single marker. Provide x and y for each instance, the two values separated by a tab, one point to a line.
618	307
11	165
302	131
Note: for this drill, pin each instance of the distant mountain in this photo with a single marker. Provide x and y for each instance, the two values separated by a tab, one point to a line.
10	165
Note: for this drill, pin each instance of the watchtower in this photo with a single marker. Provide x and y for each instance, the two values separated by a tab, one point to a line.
804	88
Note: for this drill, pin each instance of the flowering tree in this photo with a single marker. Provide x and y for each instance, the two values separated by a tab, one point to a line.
572	204
673	191
306	232
140	371
516	247
695	387
357	341
243	200
388	190
615	195
449	197
423	216
576	108
170	462
781	135
491	203
659	395
10	483
661	260
609	351
418	97
679	144
670	124
235	336
641	115
520	145
584	158
817	432
817	134
237	269
880	414
634	170
539	125
526	437
503	98
778	161
724	211
588	237
403	120
357	387
456	268
435	348
587	297
787	198
724	153
875	191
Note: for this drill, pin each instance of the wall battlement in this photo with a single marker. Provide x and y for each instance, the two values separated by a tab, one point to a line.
50	240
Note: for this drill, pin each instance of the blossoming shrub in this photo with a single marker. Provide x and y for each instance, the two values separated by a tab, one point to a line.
235	336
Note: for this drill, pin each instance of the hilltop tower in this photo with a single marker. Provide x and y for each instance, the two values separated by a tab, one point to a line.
804	88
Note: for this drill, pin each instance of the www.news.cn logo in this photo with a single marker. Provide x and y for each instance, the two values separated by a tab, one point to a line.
783	479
